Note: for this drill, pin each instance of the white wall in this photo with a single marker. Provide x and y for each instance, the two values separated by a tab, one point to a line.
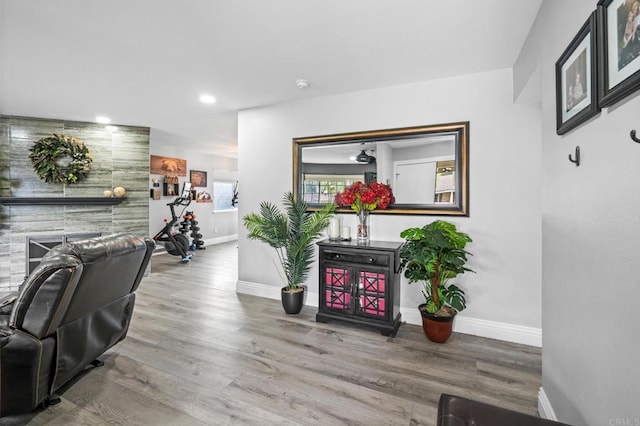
590	244
504	188
214	228
384	163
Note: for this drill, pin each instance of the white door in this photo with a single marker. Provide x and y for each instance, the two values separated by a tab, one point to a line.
415	182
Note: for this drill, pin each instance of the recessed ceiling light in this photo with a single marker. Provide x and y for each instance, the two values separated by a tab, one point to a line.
207	99
103	120
302	83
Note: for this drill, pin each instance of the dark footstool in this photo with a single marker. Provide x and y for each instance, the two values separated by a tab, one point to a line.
458	411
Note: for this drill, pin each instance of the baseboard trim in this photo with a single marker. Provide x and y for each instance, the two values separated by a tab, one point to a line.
499	330
545	409
485	328
220	240
478	327
271	292
257	289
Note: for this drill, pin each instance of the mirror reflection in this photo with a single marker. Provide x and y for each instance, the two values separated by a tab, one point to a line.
425	166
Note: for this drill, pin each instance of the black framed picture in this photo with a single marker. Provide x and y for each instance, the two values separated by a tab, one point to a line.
619	49
576	80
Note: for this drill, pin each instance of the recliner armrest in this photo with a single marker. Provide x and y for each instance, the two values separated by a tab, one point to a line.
6	303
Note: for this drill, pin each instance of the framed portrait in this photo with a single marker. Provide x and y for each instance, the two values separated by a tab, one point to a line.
619	49
167	166
576	80
198	178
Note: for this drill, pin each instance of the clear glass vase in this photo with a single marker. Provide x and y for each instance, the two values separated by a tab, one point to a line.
363	230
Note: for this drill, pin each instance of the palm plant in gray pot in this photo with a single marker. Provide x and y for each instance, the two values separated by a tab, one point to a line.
291	233
432	255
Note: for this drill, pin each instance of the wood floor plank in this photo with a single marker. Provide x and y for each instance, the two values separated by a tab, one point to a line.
77	416
310	398
113	403
189	366
206	403
423	415
198	353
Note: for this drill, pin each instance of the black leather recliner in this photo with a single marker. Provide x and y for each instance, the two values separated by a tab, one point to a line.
73	307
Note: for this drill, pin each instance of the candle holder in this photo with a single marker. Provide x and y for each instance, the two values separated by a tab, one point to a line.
333	230
345	235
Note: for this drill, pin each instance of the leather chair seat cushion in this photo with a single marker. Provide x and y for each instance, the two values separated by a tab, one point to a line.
458	411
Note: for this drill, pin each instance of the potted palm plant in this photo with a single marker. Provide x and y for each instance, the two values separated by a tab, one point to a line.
291	234
432	255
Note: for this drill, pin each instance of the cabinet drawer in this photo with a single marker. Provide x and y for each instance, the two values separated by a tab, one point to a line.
361	258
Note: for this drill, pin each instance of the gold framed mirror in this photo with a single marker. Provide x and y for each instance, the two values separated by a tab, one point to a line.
426	166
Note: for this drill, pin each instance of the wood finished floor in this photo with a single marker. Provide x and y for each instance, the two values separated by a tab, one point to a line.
197	353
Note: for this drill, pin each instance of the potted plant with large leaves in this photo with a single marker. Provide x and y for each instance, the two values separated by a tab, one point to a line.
291	234
433	255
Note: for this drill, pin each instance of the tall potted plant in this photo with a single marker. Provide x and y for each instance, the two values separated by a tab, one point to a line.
291	234
432	255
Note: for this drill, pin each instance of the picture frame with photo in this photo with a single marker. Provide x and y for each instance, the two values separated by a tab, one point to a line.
198	178
618	49
204	196
576	79
159	165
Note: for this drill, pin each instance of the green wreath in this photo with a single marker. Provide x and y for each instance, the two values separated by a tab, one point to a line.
60	159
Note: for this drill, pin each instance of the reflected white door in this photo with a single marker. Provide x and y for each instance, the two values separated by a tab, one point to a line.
415	182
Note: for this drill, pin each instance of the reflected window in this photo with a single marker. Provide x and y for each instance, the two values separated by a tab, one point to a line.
323	188
223	195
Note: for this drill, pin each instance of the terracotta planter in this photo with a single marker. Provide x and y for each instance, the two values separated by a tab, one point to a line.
437	329
292	300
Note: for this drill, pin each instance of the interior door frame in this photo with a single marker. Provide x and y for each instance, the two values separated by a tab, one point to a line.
419	160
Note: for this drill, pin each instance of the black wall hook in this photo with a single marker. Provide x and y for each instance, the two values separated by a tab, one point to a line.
634	137
576	160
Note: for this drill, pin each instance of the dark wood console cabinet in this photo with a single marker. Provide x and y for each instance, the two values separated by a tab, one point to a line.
360	284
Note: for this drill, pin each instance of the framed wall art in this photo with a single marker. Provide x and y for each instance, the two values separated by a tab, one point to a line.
576	80
198	178
167	166
619	49
204	196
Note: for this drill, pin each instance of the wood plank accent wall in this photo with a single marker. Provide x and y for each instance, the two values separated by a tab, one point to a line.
120	158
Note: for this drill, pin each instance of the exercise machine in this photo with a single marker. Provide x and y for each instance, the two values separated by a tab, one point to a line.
175	243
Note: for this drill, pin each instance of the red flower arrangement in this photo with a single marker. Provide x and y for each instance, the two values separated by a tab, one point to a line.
365	196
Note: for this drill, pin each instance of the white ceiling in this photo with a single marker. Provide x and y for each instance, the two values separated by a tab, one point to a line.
145	62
